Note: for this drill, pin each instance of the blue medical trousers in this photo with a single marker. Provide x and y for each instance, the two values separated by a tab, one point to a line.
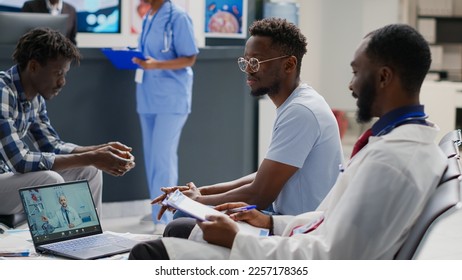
161	136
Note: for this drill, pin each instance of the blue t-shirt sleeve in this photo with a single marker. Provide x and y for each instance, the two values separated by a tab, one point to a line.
183	36
294	135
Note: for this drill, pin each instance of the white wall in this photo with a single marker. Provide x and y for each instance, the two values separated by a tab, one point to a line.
334	28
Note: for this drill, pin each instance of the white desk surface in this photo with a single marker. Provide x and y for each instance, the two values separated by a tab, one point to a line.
20	239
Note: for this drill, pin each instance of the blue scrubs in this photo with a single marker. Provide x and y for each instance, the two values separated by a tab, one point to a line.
164	96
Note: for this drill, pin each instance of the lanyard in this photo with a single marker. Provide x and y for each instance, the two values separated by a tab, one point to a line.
145	32
412	117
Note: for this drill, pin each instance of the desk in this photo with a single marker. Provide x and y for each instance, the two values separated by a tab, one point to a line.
21	239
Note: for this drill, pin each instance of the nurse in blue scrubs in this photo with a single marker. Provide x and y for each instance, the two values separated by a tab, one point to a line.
163	93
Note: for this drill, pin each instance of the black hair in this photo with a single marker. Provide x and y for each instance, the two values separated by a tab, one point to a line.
402	48
42	45
285	36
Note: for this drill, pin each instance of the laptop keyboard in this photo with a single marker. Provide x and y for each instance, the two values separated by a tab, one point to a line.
89	242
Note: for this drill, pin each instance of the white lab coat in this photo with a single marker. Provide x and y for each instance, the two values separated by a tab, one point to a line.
367	214
59	220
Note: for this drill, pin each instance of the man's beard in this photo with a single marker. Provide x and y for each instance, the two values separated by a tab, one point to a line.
365	102
274	88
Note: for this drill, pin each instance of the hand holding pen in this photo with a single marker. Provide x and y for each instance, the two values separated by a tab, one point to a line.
242	208
240	211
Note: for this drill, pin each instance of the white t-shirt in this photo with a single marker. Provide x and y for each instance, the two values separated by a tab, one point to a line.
305	135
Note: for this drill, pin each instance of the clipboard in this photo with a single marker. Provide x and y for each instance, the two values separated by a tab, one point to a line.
199	211
122	58
193	208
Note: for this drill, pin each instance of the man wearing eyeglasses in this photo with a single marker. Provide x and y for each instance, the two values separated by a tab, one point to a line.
302	162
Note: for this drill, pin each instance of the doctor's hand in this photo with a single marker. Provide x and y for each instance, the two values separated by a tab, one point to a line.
219	230
252	217
149	63
190	190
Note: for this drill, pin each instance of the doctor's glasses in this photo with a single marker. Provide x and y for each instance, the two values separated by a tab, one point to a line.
253	64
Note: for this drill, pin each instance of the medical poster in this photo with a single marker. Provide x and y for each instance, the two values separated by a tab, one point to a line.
226	18
139	8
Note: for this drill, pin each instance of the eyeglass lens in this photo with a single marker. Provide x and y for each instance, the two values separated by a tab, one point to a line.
252	63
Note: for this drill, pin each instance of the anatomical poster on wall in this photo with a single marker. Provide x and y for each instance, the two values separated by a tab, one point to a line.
226	18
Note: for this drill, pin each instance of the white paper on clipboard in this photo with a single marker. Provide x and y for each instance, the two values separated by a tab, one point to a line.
199	211
183	203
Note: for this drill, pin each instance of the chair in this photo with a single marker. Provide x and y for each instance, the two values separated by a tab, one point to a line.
450	143
453	170
450	149
454	136
13	220
445	199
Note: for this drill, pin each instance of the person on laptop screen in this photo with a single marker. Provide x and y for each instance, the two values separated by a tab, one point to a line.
43	57
66	216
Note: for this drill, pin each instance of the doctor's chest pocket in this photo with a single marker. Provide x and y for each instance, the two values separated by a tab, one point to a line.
342	176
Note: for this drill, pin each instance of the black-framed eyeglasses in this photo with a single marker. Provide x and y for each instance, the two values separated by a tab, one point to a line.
253	64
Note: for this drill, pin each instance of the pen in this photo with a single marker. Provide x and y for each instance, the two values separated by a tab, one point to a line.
14	253
243	208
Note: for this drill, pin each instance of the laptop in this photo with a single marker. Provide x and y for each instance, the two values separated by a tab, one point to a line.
63	221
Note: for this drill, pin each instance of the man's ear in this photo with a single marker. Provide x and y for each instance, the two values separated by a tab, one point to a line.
291	64
386	76
32	65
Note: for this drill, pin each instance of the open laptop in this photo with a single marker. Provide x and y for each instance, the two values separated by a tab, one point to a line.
73	231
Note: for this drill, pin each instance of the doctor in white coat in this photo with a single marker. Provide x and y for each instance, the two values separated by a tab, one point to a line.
381	191
65	216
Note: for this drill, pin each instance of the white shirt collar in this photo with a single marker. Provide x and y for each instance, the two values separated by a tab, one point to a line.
55	9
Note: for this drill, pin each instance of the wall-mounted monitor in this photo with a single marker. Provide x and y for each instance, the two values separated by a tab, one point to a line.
14	25
102	16
11	5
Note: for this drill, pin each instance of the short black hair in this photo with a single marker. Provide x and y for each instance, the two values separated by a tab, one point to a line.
285	36
402	48
44	44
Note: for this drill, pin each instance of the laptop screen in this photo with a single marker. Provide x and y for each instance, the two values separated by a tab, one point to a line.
60	212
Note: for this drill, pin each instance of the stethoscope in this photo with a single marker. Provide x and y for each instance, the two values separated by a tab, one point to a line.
406	118
168	30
